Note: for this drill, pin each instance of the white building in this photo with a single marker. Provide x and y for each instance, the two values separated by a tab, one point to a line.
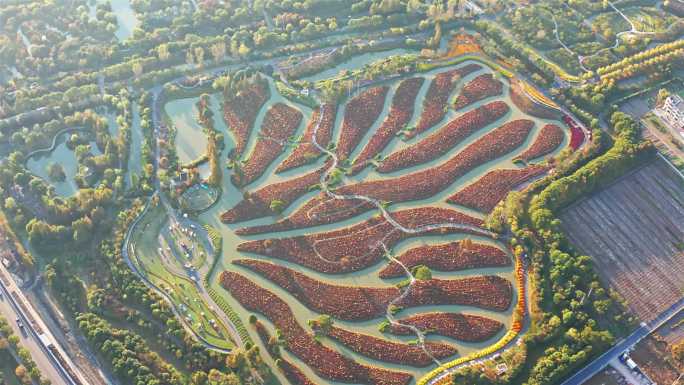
673	111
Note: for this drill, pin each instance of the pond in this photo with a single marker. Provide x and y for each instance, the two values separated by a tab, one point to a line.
191	141
62	155
135	155
125	17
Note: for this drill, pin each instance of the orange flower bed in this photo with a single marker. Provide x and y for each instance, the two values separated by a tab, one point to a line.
257	204
488	191
393	352
549	139
326	362
293	374
489	292
450	256
437	96
281	122
418	185
306	152
482	87
445	138
352	303
241	112
349	303
463	44
463	327
398	117
357	247
359	115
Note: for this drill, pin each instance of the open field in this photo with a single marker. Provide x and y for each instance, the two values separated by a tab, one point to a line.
634	230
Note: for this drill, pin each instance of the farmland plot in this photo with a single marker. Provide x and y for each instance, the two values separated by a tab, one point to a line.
634	230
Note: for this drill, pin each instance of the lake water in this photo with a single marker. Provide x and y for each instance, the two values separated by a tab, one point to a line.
125	17
62	155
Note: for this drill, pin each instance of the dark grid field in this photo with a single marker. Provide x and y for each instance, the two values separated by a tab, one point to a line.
634	231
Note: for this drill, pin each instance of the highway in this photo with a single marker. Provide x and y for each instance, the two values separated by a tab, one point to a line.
644	330
29	337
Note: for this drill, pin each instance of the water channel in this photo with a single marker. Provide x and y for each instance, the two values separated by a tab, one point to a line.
125	16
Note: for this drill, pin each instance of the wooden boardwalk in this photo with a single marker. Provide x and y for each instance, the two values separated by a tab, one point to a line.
634	231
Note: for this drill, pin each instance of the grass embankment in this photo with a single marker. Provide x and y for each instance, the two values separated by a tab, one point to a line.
428	66
217	244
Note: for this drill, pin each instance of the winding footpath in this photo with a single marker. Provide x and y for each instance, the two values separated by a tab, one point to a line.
54	142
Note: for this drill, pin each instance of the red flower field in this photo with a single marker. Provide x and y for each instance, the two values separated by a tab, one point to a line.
293	374
359	115
437	96
482	87
450	256
550	137
306	152
393	352
353	303
280	123
488	191
485	291
445	138
327	362
338	233
357	247
241	112
398	117
462	327
417	185
257	204
349	303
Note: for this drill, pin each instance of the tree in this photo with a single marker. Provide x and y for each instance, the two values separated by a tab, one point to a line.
189	58
277	205
244	50
163	52
22	374
663	94
218	50
137	68
422	273
199	56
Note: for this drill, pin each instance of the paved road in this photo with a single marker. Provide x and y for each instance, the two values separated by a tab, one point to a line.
602	361
30	343
29	336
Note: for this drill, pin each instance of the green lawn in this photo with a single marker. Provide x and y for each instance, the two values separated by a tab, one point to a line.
173	280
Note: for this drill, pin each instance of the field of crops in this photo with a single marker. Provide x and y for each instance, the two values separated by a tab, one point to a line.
634	230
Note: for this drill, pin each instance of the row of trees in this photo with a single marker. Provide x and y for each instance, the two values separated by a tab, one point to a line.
573	317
